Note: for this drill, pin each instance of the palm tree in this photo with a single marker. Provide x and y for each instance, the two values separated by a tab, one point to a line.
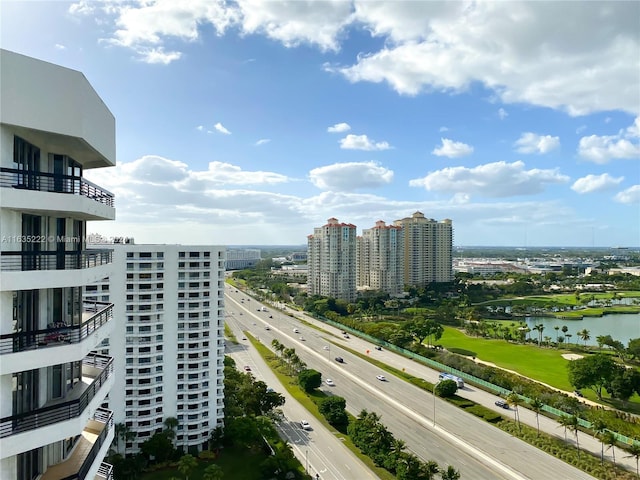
634	451
514	399
584	335
171	423
450	473
573	425
556	328
186	464
610	439
568	335
124	433
536	405
213	472
599	427
565	329
564	421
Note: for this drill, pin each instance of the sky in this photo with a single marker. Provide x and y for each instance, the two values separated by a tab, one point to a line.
252	122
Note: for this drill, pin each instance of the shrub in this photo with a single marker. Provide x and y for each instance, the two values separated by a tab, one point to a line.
462	351
446	388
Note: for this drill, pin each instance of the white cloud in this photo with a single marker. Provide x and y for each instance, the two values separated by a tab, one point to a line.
534	143
444	129
629	196
219	127
524	51
596	183
59	46
452	149
262	141
200	128
362	142
350	176
339	128
502	113
497	179
602	149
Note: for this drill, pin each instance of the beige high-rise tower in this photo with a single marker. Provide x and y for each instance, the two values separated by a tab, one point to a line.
428	247
380	255
332	261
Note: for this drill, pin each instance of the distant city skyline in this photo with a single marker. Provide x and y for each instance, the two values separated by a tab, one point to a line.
252	122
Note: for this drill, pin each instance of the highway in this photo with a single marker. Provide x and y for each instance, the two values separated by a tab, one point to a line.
476	449
318	449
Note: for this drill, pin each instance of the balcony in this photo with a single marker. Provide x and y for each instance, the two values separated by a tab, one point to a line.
79	464
25	270
53	260
94	316
96	371
55	183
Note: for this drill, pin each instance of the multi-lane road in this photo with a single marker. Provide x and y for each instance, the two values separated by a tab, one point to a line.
478	450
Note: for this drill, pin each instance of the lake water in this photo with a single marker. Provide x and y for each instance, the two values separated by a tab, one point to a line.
622	327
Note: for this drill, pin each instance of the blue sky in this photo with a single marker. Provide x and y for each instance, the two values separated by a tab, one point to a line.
252	122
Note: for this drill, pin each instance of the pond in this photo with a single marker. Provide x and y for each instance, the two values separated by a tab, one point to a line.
620	326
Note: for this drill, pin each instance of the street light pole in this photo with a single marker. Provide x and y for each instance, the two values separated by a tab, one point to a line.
306	460
434	402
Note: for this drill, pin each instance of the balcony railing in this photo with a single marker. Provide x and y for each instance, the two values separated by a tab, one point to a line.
60	412
79	463
99	314
52	182
54	260
105	470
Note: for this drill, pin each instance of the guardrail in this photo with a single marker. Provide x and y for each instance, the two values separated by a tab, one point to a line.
21	341
54	182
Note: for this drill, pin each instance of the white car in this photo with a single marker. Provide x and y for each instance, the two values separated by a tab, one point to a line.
329	382
295	330
382	378
305	425
302	339
326	347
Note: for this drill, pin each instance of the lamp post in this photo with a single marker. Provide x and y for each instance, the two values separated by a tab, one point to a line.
306	459
434	401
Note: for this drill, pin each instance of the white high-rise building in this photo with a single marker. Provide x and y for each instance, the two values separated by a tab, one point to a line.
428	250
53	127
331	261
380	253
169	345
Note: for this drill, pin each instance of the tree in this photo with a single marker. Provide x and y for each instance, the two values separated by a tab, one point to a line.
309	379
584	335
610	440
556	328
213	472
633	348
564	421
594	372
159	446
450	473
573	424
536	405
171	424
187	464
539	328
446	388
514	399
634	451
333	409
124	433
599	427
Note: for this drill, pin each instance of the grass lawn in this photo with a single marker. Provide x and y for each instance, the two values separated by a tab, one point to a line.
544	364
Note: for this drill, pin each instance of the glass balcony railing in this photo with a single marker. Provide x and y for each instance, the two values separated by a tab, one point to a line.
57	411
94	316
52	182
54	260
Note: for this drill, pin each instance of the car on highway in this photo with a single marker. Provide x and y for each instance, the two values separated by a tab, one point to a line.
270	316
295	330
267	327
247	368
244	338
502	404
382	378
302	339
339	360
378	348
330	382
305	425
326	347
346	335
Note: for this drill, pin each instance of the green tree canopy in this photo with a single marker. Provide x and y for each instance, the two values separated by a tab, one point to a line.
309	379
594	372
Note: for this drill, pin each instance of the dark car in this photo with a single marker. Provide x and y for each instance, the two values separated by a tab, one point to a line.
339	360
502	404
379	348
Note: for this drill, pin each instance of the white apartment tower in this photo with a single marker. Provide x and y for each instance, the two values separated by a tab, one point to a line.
53	127
380	253
331	261
169	306
428	250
